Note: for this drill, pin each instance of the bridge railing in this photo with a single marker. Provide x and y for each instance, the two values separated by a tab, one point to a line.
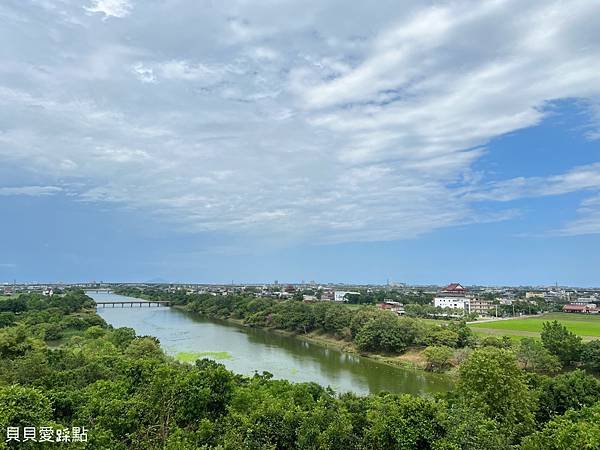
132	303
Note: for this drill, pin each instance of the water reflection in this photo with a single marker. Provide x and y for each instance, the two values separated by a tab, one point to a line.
257	350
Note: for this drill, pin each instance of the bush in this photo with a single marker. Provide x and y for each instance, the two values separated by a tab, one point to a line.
590	355
535	357
439	358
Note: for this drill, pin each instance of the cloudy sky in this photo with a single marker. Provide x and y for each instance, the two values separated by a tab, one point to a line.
244	140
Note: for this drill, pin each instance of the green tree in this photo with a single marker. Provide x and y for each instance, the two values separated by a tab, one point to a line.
492	383
7	319
466	337
442	336
590	355
386	332
22	406
561	342
566	391
438	358
575	430
402	422
469	429
535	357
122	337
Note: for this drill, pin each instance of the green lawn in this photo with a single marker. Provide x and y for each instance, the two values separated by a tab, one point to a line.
587	326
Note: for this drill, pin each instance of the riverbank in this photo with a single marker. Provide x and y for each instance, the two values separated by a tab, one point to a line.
412	359
249	350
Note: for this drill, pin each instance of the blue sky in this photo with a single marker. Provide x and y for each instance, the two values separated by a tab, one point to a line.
206	141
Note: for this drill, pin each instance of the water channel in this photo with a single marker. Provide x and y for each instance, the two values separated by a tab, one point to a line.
248	350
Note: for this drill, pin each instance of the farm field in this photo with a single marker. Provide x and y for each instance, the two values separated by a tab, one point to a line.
587	326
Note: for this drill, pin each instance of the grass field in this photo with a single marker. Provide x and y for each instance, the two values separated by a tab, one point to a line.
587	326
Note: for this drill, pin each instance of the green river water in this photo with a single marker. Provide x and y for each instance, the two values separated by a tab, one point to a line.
247	350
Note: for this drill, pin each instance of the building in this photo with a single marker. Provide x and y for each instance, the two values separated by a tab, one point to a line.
480	306
393	306
452	296
454	290
340	296
529	295
327	295
505	301
582	309
585	301
450	302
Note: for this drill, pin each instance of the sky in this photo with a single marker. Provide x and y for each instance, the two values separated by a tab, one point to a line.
252	141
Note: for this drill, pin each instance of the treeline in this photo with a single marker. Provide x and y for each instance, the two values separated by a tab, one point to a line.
374	330
370	329
371	297
47	318
129	395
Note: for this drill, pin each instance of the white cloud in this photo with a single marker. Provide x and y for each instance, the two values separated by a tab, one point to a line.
286	118
183	70
110	8
577	179
587	222
582	178
145	74
33	191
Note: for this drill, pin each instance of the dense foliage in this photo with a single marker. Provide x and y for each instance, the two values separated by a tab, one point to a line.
128	394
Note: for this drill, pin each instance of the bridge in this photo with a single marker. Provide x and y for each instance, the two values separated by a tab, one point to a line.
132	303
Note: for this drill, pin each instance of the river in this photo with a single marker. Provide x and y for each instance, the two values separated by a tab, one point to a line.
249	350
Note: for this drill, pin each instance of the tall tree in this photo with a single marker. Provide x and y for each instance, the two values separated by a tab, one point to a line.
561	342
492	383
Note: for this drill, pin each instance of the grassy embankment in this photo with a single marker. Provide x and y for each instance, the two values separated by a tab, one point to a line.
586	326
411	359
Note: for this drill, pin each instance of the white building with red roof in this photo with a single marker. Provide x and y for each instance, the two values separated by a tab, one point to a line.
452	296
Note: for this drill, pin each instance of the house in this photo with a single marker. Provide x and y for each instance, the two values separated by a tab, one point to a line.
452	296
583	309
327	295
393	306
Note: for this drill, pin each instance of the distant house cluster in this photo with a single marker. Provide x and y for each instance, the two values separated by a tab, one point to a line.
453	300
